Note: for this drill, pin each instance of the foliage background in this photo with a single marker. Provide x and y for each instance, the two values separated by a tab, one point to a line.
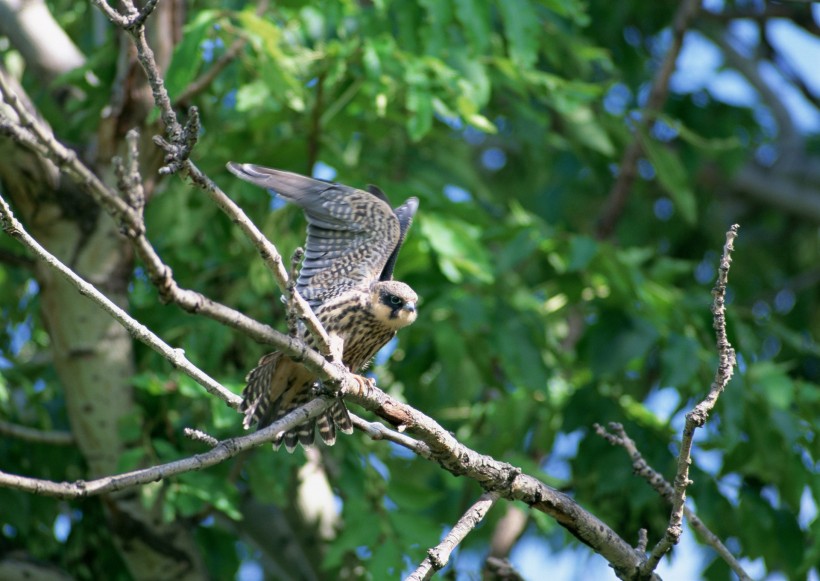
508	120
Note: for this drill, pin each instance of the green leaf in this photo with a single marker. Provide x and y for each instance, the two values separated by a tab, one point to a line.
582	250
187	58
584	126
474	16
521	31
672	176
458	248
420	105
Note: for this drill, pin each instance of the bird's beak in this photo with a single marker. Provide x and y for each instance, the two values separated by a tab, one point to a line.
409	307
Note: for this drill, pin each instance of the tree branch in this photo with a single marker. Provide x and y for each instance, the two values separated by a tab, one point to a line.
137	330
223	451
697	417
44	45
494	475
438	556
378	431
617	436
444	448
55	438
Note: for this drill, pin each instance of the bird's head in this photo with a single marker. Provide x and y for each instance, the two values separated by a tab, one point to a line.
393	303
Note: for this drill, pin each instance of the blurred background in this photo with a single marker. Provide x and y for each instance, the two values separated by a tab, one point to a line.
578	165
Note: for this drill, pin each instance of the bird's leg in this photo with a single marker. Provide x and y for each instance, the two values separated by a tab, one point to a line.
363	384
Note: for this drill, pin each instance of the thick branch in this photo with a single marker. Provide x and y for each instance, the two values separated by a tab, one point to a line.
493	475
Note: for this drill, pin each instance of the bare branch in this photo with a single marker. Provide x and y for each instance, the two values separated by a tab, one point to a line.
110	13
378	431
137	330
178	148
55	438
697	417
438	556
31	132
617	436
494	475
223	451
627	168
200	436
143	14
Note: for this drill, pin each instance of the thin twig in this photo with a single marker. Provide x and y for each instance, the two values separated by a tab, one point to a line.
178	148
378	431
137	330
200	436
627	168
697	417
438	556
36	135
222	451
53	437
617	436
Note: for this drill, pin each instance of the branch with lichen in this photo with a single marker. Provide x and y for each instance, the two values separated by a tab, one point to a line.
434	442
438	556
697	417
617	436
178	147
676	494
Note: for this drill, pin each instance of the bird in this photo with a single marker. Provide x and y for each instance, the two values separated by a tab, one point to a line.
353	239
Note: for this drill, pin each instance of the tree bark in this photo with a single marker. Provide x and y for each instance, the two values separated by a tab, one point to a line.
93	355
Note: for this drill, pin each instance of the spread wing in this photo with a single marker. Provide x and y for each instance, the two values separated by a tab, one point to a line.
405	214
353	236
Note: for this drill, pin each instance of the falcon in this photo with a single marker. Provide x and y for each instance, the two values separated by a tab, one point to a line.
353	239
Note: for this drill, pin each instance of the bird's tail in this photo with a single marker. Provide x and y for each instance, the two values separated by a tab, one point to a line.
277	386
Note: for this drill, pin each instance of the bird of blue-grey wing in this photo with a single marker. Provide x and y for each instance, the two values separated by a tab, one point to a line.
351	233
353	237
405	214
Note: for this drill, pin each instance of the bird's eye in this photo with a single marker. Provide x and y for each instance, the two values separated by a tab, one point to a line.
394	300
